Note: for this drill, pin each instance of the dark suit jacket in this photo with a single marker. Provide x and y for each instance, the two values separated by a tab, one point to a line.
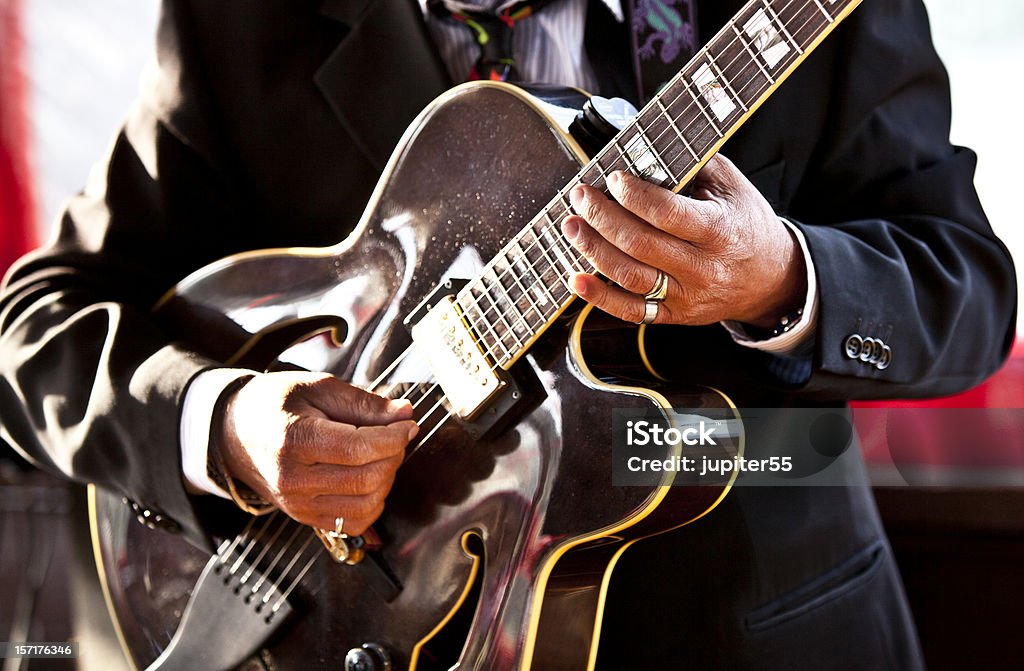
268	127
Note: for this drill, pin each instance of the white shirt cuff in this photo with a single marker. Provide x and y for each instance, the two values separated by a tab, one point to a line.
196	419
788	342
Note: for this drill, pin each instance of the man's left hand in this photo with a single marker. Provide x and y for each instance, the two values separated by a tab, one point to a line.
726	253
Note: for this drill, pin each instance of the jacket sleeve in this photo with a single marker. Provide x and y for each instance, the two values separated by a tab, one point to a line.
902	249
91	386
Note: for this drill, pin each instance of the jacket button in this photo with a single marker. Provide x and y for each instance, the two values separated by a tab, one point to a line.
853	346
885	359
867	350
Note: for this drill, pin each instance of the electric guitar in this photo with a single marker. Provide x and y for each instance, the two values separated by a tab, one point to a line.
502	529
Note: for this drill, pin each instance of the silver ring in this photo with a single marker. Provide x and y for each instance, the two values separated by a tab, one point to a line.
650	311
339	523
660	290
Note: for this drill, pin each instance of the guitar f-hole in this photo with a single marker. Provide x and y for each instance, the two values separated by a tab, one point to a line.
442	649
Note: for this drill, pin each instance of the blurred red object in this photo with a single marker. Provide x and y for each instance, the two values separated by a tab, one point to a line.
981	428
17	227
1005	389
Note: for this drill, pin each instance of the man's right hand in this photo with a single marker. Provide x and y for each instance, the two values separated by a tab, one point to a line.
316	447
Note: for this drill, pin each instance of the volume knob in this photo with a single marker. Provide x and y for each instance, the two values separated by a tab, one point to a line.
368	657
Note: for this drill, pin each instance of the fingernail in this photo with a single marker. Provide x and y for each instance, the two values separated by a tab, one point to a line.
398	405
615	179
577	284
570	227
413	431
577	196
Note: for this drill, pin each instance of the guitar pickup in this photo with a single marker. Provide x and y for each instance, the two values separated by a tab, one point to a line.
455	357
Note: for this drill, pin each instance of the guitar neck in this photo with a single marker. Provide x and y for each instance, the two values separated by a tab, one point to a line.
526	286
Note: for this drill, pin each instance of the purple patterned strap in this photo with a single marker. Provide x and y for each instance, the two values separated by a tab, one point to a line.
664	36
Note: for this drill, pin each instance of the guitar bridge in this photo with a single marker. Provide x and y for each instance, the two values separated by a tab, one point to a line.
454	355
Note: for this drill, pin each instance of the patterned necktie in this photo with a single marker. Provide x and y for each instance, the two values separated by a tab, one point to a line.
664	40
492	33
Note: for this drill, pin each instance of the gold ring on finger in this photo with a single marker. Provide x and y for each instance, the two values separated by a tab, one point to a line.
660	290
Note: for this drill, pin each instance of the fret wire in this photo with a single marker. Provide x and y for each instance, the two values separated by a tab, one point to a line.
550	219
482	314
629	165
782	26
715	68
757	61
572	251
539	277
807	16
479	320
503	256
501	315
591	176
711	124
549	214
514	309
714	41
563	198
654	151
512	302
487	322
541	246
533	304
527	294
551	263
519	260
672	123
566	262
574	254
566	250
823	11
551	266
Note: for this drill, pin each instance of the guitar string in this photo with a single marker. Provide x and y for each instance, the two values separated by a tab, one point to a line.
753	68
277	558
559	199
227	548
273	562
252	544
255	562
284	572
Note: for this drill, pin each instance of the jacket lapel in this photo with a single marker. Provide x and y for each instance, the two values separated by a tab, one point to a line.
384	71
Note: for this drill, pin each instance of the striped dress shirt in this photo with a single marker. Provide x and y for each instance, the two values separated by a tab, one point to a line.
547	46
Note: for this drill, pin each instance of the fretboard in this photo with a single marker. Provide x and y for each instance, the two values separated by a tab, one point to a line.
526	285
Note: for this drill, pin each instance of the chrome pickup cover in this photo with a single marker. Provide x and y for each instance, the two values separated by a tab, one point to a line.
456	358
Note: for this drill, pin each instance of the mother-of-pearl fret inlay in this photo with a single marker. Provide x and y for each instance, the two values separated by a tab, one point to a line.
765	38
713	92
645	162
